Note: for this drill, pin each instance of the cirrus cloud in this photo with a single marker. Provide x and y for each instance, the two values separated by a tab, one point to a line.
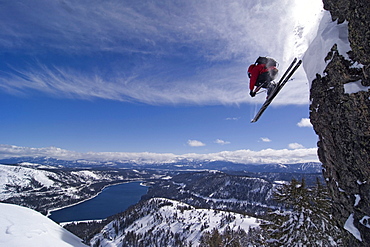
156	52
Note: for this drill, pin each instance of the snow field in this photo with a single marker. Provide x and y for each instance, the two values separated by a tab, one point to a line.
20	226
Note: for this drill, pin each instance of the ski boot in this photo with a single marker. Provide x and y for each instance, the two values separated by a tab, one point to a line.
271	88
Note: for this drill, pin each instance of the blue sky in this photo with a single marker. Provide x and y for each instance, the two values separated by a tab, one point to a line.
151	76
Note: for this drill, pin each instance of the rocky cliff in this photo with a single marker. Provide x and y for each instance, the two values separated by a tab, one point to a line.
340	115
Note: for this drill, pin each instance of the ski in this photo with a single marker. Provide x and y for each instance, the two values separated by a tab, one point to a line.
283	80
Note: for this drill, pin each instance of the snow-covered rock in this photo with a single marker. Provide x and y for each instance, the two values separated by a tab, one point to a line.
338	67
328	34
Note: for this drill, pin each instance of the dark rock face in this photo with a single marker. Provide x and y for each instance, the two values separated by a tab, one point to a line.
342	122
357	13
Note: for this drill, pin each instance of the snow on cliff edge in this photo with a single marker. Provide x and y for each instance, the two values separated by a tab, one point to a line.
20	226
328	34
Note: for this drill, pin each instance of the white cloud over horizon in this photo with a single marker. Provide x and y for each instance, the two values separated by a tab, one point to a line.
195	143
265	139
296	146
300	155
165	39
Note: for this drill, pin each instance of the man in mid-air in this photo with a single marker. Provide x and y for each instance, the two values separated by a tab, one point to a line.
261	74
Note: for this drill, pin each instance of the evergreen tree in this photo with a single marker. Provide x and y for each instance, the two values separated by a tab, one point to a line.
232	238
305	221
211	239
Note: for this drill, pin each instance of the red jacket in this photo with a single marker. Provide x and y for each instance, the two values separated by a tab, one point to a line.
255	71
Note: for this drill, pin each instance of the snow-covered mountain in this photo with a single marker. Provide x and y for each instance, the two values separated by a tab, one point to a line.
15	179
164	222
15	154
175	164
20	226
196	202
44	189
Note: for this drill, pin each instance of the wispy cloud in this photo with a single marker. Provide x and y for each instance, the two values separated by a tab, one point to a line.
239	156
114	25
221	142
232	118
188	52
67	82
305	122
195	143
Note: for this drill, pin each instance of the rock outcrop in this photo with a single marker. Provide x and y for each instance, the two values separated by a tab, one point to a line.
341	119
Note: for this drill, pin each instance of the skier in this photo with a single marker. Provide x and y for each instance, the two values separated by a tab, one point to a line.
258	77
261	74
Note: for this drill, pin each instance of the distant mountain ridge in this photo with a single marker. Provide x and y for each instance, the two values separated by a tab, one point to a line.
309	167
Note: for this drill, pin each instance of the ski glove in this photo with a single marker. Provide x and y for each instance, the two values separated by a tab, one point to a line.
252	94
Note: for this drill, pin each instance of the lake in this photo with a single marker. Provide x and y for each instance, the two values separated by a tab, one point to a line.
112	200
